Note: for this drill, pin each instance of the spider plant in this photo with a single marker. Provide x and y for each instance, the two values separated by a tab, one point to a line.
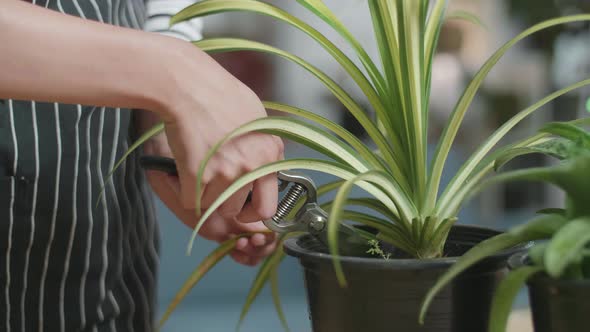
415	213
565	254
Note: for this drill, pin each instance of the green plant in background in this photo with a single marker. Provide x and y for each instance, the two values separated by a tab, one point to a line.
565	255
414	214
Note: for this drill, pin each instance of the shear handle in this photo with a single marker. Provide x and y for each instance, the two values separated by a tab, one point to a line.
167	165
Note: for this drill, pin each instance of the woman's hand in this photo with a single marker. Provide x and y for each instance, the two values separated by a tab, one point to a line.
205	105
248	251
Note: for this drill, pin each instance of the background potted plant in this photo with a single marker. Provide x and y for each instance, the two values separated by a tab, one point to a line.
412	213
557	270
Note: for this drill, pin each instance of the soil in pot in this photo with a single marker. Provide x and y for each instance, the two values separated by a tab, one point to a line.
556	305
385	295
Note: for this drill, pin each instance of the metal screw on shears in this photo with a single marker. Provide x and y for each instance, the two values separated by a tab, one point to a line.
288	202
310	218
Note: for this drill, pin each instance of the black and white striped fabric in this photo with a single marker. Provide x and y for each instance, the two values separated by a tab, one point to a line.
67	264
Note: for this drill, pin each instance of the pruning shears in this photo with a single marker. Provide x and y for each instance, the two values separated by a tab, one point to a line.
309	218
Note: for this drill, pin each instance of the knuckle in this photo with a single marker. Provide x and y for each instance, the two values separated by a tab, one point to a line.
228	170
279	145
229	211
250	165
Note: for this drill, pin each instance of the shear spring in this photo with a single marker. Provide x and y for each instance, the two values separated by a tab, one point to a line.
288	202
310	218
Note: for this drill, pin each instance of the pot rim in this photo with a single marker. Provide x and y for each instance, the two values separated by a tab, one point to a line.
519	259
292	248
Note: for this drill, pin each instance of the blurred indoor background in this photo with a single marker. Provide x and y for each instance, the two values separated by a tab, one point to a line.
541	64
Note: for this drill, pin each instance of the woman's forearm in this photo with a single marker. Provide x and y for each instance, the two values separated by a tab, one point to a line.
53	57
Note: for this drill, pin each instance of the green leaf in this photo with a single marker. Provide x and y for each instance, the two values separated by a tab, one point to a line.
505	295
486	166
542	227
468	17
416	230
456	118
385	193
537	254
155	130
470	165
534	230
431	37
207	7
276	297
336	216
314	138
344	134
206	265
555	147
411	52
568	131
233	44
473	183
440	235
389	20
389	232
373	204
567	245
379	29
305	133
263	276
588	105
382	34
571	176
427	231
323	12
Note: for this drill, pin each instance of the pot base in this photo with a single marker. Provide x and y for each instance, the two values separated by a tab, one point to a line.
557	305
386	295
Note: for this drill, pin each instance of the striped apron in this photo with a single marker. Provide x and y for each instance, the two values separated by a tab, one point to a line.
66	263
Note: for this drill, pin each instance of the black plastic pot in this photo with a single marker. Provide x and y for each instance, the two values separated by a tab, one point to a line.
557	305
385	295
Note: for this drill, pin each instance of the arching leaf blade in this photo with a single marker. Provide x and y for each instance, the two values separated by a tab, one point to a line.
204	267
304	131
566	245
208	7
230	44
344	134
335	218
533	230
385	195
467	169
322	11
154	131
505	294
262	277
276	298
456	118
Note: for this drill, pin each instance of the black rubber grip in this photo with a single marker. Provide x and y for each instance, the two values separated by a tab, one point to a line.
163	164
167	165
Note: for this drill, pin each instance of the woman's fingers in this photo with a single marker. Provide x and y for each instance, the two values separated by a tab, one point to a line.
245	259
264	200
233	206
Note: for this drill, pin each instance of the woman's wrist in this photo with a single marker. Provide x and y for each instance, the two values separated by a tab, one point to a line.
173	77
